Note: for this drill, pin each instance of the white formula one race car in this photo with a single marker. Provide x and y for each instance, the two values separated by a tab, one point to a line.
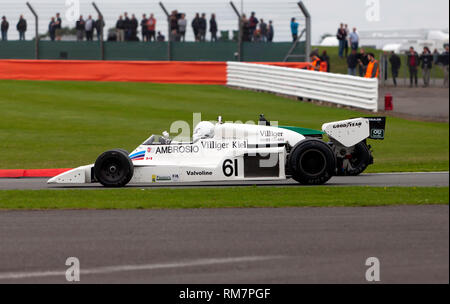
238	152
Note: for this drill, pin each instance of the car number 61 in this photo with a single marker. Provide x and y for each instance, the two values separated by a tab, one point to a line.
229	168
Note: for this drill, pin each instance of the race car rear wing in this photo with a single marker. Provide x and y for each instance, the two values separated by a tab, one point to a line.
353	131
377	127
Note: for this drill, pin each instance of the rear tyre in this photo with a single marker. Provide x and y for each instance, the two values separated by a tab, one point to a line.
312	162
357	162
114	168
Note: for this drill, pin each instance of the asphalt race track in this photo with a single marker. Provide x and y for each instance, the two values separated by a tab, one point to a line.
259	245
432	179
265	245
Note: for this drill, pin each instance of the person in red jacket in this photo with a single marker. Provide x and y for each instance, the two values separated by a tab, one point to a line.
413	62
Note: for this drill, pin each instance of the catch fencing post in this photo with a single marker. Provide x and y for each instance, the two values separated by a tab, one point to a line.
307	32
36	38
102	47
169	46
308	28
240	30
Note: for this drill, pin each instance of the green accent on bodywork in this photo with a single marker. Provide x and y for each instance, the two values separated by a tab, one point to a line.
303	131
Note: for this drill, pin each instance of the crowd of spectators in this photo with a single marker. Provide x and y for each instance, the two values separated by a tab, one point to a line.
127	28
358	60
85	28
425	61
21	28
256	30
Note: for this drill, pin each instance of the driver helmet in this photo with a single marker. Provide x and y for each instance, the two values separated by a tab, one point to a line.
204	129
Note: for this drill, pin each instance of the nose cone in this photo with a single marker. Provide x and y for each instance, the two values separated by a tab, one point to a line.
52	180
78	175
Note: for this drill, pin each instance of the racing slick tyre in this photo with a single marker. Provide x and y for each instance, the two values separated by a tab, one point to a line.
312	162
114	168
358	161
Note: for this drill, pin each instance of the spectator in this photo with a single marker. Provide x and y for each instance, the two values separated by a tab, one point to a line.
99	25
354	39
127	26
314	61
443	60
52	29
263	30
173	26
253	23
373	69
133	28
144	28
270	32
256	35
21	27
325	58
426	59
160	37
89	28
385	61
151	27
195	26
58	30
352	62
79	26
436	56
245	28
396	63
342	37
363	61
202	27
112	35
294	29
120	29
413	63
213	27
4	28
347	33
182	25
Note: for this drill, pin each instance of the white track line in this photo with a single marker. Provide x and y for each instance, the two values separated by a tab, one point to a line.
120	268
406	173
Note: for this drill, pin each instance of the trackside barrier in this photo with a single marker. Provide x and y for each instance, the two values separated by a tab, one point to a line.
187	72
344	90
16	173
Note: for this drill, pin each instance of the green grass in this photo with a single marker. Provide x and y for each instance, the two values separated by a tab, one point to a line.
245	197
67	124
339	65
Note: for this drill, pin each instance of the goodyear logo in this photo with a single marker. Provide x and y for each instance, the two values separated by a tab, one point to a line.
347	125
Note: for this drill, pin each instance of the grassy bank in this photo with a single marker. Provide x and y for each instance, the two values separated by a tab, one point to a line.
67	124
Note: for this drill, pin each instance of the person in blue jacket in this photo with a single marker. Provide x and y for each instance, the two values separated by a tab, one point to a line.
294	29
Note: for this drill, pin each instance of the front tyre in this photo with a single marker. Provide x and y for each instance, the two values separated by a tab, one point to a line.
312	162
114	168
